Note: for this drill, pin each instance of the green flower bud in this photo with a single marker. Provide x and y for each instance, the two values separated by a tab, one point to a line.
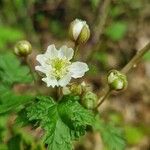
23	48
76	89
116	80
79	31
89	100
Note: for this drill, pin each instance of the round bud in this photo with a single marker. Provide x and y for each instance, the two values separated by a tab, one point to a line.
116	80
79	31
89	100
76	89
23	48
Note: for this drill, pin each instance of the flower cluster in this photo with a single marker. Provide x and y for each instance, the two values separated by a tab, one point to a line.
57	66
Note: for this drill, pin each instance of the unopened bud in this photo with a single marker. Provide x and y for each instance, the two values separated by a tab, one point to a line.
116	80
89	100
79	31
23	48
74	89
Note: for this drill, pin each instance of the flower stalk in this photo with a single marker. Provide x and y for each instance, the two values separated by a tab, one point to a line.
107	92
134	61
31	70
76	47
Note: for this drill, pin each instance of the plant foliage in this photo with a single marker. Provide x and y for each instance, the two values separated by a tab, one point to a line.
62	122
111	136
11	71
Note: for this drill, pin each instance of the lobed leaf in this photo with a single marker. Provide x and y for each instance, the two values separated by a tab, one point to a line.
9	101
62	122
11	71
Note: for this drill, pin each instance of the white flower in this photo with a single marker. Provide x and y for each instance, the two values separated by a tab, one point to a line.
57	67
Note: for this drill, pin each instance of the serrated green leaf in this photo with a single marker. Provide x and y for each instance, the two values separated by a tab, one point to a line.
9	101
57	134
11	71
111	136
78	117
60	126
41	108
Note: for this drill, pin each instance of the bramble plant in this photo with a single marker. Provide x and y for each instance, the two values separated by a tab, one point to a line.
72	110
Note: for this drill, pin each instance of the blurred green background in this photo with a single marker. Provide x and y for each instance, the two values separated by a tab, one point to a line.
126	29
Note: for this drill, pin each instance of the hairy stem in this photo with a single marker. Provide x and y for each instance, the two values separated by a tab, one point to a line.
134	61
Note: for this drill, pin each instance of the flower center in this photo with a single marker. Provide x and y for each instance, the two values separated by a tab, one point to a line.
60	67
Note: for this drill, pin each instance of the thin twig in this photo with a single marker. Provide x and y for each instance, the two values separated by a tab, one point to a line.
134	61
101	20
99	27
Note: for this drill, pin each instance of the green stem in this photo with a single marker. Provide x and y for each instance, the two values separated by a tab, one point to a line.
58	93
102	99
31	71
134	61
76	46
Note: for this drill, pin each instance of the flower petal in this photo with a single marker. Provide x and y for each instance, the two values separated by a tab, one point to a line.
78	69
65	52
44	69
77	28
51	51
40	68
65	80
41	59
50	81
